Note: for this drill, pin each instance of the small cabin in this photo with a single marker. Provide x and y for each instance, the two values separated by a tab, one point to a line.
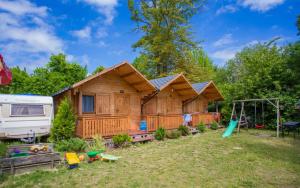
109	102
198	106
165	108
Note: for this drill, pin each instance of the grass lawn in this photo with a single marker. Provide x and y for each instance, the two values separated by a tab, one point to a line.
202	160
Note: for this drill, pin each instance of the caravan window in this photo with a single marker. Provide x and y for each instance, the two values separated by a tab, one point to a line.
27	110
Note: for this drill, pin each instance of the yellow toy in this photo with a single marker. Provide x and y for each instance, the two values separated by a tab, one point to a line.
37	148
72	160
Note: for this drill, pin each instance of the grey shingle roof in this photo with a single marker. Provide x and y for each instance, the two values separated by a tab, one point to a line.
160	82
199	86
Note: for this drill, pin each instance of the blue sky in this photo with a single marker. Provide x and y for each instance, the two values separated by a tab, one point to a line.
100	32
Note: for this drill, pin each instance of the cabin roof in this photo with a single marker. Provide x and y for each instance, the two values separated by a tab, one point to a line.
178	82
160	82
199	86
126	71
209	90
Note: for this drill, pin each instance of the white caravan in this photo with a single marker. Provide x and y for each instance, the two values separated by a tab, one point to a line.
21	116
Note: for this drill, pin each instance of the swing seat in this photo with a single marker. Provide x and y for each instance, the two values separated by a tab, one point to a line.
259	126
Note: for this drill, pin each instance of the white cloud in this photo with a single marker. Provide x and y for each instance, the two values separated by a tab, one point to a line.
84	33
26	36
224	40
225	54
104	7
101	33
227	8
21	7
260	5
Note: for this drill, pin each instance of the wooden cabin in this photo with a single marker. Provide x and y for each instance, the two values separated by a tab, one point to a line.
109	102
115	100
198	106
164	108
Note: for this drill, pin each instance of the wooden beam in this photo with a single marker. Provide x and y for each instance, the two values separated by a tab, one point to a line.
184	89
80	104
128	74
137	83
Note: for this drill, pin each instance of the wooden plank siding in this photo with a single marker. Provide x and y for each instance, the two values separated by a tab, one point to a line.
206	118
165	121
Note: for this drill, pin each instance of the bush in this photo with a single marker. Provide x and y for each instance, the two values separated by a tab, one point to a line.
73	144
98	143
201	127
184	130
64	122
3	149
173	134
160	134
214	126
121	140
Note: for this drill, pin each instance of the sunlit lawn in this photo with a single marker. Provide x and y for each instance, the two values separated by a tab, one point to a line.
202	160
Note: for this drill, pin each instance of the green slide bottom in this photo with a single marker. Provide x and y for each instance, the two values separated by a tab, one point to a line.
230	128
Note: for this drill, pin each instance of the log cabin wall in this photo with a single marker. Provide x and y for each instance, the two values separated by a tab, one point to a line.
112	97
167	102
200	105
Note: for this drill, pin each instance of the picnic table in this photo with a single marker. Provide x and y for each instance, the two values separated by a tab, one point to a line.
291	126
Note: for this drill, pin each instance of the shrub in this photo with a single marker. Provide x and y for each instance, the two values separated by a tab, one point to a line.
3	149
73	144
201	127
98	143
184	130
64	122
160	134
214	126
121	140
173	134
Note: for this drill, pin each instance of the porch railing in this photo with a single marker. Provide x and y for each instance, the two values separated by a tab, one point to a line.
165	121
87	127
206	118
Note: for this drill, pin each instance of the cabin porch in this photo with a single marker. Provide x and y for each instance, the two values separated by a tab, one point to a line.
108	126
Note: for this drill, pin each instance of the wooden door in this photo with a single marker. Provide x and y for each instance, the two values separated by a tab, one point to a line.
103	102
122	103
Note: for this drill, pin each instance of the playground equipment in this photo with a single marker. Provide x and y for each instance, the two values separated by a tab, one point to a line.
243	122
230	128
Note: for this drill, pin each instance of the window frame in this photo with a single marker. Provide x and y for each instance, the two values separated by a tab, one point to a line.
31	115
92	95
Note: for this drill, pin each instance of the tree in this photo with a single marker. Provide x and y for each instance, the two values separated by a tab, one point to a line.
198	67
98	69
56	75
165	24
260	71
145	66
20	82
64	122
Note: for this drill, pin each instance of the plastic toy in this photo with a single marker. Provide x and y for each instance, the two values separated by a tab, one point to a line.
37	148
72	160
107	157
81	157
93	155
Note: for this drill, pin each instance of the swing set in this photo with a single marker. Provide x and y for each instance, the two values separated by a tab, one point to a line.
244	122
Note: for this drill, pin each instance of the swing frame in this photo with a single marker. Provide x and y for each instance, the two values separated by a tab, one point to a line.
273	101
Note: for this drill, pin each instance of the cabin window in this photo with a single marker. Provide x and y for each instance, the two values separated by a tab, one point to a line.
27	110
88	103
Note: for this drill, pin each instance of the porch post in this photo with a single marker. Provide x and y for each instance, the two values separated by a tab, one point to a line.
80	104
217	106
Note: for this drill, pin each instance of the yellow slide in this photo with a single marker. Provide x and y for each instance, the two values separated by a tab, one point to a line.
72	158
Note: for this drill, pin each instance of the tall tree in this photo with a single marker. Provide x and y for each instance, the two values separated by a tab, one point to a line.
165	24
98	69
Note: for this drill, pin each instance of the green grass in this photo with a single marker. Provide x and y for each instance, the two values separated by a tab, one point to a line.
202	160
